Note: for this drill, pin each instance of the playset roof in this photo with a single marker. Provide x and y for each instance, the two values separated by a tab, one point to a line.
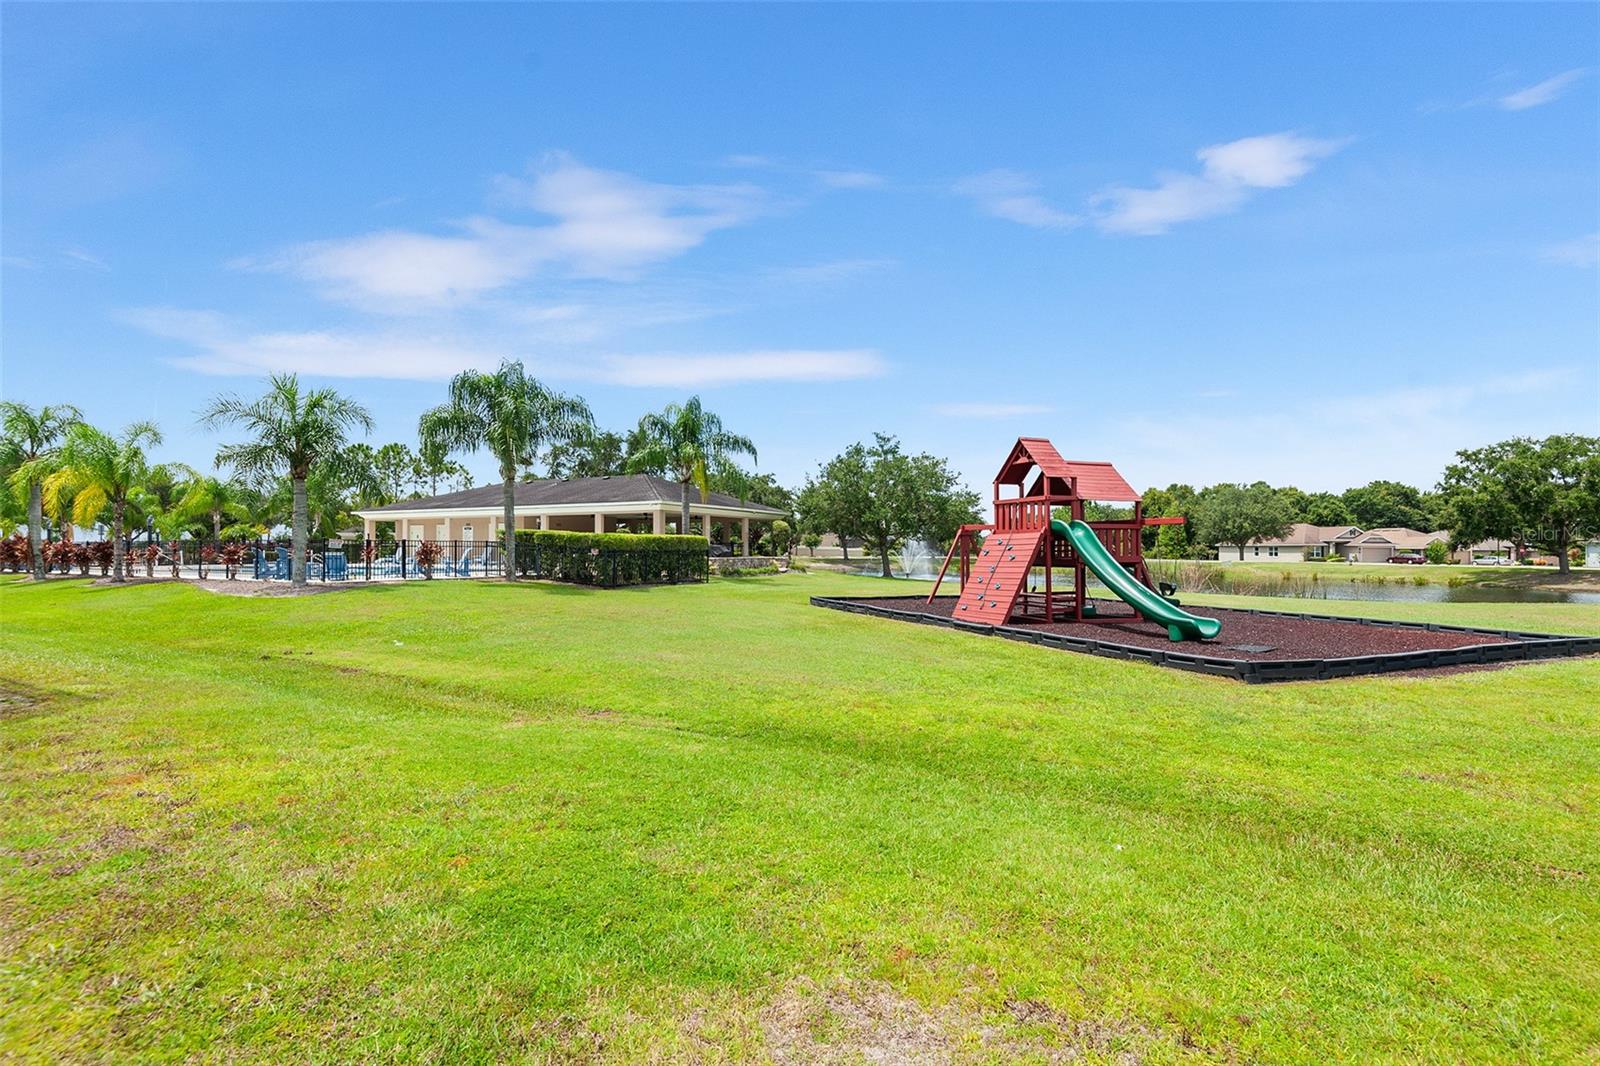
1093	480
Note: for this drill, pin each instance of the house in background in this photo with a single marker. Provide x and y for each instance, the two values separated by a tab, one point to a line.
1306	542
1377	545
1302	542
1502	551
637	503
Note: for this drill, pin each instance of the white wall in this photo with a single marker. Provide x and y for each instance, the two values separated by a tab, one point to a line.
1261	553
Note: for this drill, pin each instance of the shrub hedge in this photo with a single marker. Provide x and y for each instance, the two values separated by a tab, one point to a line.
612	559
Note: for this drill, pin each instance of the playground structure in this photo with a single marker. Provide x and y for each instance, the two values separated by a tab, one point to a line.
996	560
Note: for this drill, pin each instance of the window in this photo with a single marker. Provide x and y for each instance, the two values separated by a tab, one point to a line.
1257	550
1272	552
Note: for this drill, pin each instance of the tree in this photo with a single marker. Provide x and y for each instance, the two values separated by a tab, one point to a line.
292	430
688	442
394	471
782	536
1295	500
1170	543
1326	509
1540	492
1383	504
591	453
433	465
512	416
1437	552
897	497
752	488
102	471
836	499
1174	501
811	538
212	497
1239	514
28	442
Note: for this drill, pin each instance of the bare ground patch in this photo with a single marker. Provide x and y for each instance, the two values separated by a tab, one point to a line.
17	699
869	1021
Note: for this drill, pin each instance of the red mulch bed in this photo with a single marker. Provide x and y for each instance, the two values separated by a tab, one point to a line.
1288	637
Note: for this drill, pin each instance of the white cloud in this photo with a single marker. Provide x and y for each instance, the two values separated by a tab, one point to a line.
603	224
216	345
610	224
1229	175
1542	93
1408	433
83	258
830	272
832	177
989	410
221	348
1014	196
589	321
735	368
1580	252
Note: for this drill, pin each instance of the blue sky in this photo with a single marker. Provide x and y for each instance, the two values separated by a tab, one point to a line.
1312	244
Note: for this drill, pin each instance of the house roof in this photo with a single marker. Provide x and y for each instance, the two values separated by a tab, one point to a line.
1093	480
1402	537
1303	534
578	491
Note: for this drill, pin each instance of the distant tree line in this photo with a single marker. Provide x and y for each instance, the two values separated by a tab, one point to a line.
1542	494
295	466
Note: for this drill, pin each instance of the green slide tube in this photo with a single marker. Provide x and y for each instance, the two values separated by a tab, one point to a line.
1181	625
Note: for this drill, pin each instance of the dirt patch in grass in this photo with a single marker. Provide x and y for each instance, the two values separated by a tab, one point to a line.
868	1021
17	700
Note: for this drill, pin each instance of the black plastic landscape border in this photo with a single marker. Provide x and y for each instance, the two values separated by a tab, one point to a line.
1517	647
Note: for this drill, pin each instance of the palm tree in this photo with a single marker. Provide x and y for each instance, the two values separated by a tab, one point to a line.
687	441
100	470
510	414
210	496
293	430
28	442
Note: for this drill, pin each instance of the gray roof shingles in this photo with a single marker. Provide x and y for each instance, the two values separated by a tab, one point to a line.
626	488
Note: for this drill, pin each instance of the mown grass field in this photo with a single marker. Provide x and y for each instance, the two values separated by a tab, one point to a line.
462	822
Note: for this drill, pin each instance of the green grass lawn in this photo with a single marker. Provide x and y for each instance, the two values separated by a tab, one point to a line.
461	822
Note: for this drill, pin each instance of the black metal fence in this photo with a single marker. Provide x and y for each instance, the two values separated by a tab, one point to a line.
385	559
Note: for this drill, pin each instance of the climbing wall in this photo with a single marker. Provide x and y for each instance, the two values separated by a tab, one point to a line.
998	573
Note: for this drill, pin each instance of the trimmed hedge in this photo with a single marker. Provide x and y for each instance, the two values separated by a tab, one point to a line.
612	559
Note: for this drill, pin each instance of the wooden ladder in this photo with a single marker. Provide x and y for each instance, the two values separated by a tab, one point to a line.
999	572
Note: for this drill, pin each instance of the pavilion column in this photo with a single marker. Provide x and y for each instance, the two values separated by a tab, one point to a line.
744	534
599	522
706	523
370	529
544	521
658	521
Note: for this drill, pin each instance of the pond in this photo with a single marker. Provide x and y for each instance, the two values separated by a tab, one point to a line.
1366	590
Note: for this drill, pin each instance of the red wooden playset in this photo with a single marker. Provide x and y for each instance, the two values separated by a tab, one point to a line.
995	560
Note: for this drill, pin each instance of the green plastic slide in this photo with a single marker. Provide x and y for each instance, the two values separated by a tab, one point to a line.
1181	625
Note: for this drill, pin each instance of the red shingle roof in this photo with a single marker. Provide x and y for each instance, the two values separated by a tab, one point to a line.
1095	481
